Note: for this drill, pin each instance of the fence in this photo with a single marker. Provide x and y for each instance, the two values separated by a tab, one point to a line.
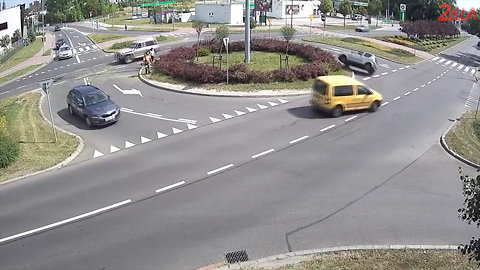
5	54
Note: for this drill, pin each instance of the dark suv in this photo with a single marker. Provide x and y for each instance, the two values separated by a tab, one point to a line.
57	28
59	43
93	105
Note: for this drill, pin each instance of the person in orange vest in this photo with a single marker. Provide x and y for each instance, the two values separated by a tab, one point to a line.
147	60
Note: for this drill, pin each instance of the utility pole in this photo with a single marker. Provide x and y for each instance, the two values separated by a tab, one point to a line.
291	15
247	31
43	24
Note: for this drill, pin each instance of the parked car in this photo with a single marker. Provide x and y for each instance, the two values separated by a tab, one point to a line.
92	104
137	50
363	28
59	43
363	60
64	52
337	93
57	28
356	17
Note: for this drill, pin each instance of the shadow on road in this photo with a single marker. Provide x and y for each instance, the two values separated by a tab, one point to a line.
307	112
76	120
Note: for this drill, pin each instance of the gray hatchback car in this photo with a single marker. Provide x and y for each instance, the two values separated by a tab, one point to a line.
92	104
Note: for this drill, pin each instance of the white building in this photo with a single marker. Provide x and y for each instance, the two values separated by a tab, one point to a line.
10	20
301	9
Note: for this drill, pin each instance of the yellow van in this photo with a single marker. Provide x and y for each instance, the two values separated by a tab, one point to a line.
337	94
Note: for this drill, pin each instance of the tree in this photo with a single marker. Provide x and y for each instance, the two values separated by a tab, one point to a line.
472	26
471	212
220	33
345	9
5	41
288	33
374	8
326	6
16	36
198	26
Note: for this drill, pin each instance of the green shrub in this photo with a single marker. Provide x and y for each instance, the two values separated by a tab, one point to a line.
161	38
9	150
31	36
204	52
121	45
402	53
3	125
476	127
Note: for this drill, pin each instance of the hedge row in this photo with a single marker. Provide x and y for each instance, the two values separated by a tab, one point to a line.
178	63
425	28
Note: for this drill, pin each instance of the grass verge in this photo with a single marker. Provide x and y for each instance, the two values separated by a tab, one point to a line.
22	55
393	54
47	52
18	73
385	260
430	45
464	137
37	148
99	38
341	27
249	87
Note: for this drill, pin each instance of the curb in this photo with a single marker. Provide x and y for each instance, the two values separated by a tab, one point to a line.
416	63
62	163
169	87
97	44
298	256
444	144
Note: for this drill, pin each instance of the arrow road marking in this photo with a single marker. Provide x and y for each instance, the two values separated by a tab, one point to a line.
161	135
128	144
214	120
282	101
272	103
113	149
227	116
176	130
129	92
97	154
239	112
262	106
190	126
250	109
144	139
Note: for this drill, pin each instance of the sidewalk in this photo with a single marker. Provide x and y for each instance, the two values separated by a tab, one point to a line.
38	58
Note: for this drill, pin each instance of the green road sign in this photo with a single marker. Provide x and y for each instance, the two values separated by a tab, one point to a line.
402	16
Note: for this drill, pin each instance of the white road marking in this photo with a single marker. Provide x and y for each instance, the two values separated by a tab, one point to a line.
467	106
144	139
401	68
454	64
23	78
176	130
441	61
94	46
466	69
250	109
215	120
160	118
262	106
327	128
190	126
220	169
435	58
394	70
30	76
49	70
36	74
161	135
272	103
367	78
473	71
227	116
407	93
85	80
375	76
74	51
299	139
263	153
78	59
114	149
384	73
170	186
63	222
282	100
429	82
407	66
128	144
397	98
459	67
434	79
351	118
239	112
448	63
438	77
423	85
97	154
94	58
80	49
188	120
87	48
385	103
126	110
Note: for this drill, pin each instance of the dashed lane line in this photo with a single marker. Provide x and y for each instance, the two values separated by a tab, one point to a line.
407	93
263	153
327	128
220	169
351	118
170	187
385	103
298	140
397	98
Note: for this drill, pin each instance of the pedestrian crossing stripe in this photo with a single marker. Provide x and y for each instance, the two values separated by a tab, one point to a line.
87	48
435	58
441	61
80	49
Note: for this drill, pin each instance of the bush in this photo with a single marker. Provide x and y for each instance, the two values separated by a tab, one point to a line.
3	125
204	52
31	36
351	40
400	52
161	38
9	150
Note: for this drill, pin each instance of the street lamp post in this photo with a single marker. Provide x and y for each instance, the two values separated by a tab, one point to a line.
247	31
291	15
43	24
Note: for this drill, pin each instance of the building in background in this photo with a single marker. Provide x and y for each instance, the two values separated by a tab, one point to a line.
11	20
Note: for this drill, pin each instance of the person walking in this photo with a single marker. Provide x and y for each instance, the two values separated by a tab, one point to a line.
147	60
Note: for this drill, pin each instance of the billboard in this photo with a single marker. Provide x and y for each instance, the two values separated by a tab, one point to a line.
292	9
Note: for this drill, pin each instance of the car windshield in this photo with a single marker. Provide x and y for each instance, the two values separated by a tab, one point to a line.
134	45
62	49
94	98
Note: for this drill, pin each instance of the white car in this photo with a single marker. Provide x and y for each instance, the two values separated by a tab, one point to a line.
363	60
64	52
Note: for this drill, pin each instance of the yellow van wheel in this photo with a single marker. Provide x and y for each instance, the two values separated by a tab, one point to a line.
337	111
374	106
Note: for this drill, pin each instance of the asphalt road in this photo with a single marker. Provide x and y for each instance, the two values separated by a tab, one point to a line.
364	178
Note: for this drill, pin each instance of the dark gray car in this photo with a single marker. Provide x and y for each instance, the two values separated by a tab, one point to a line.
93	105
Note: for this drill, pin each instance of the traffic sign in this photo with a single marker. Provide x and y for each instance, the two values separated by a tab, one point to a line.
269	21
311	17
45	84
403	7
323	17
225	42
